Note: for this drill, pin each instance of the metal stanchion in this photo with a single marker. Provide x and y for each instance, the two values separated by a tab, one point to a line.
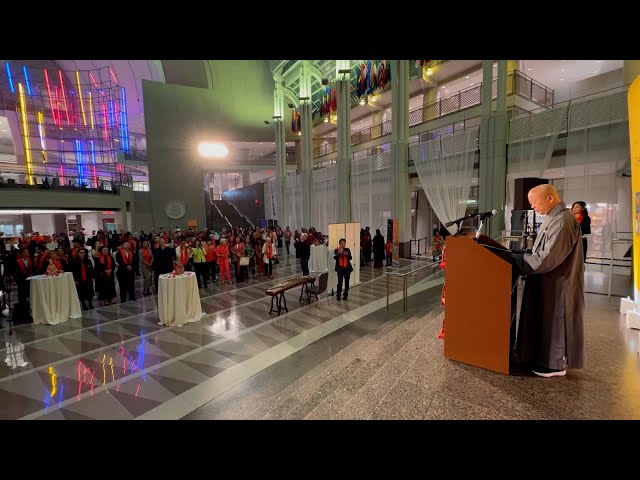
387	292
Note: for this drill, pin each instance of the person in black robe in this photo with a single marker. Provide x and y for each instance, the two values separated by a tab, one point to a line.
378	249
105	277
579	210
163	258
83	274
305	253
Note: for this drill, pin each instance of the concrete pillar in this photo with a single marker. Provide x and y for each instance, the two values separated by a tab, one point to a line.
27	226
430	96
399	152
485	199
281	161
499	174
298	152
344	150
246	179
630	70
307	163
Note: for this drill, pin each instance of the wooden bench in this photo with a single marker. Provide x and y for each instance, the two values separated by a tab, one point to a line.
277	291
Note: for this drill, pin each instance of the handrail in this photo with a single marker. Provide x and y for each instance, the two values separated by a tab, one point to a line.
246	219
223	216
404	282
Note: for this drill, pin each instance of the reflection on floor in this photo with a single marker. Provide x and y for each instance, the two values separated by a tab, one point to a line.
116	362
391	366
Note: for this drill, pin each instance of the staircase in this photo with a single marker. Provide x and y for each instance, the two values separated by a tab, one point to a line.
231	214
215	220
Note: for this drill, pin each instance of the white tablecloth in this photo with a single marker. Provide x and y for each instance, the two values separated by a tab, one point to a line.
318	259
54	299
179	299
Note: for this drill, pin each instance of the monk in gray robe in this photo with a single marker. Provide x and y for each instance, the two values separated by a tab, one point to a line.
551	328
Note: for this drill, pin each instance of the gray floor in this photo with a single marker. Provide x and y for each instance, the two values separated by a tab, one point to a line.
391	366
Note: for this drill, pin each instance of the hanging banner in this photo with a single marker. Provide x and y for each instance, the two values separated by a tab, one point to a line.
634	139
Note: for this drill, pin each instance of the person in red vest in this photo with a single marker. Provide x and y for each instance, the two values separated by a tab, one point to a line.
222	256
342	256
83	275
126	274
388	250
24	269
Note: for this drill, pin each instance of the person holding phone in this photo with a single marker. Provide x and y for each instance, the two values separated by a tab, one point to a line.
342	256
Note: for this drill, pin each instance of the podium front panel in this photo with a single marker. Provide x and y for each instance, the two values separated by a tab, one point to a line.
477	306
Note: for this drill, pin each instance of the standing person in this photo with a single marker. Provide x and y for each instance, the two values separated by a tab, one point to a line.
210	255
250	252
551	327
287	238
24	269
162	261
236	252
579	210
268	254
145	258
258	256
305	253
388	250
63	259
367	246
378	249
104	277
222	257
200	264
437	244
126	273
83	275
342	256
73	253
183	253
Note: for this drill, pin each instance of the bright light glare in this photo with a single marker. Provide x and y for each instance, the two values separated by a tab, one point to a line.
212	150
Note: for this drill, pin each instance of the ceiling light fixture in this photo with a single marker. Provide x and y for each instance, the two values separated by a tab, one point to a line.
213	150
429	72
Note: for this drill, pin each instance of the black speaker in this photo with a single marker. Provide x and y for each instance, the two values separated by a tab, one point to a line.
522	187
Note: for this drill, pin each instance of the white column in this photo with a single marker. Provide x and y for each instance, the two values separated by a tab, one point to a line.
400	152
281	159
344	142
499	173
485	200
307	144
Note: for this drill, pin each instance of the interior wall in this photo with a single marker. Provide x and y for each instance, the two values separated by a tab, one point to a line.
245	201
143	215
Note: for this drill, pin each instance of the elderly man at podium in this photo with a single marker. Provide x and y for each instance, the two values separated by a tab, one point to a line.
551	329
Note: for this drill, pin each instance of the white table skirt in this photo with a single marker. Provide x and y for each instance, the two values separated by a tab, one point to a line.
178	299
318	259
54	299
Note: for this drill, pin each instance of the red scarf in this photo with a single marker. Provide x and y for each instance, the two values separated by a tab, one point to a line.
41	258
342	260
580	217
184	255
268	250
146	254
127	259
238	248
73	253
28	270
58	265
83	275
108	260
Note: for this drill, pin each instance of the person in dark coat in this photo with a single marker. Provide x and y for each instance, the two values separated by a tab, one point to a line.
305	253
342	256
378	249
126	273
366	247
25	267
579	209
83	275
105	277
551	327
163	257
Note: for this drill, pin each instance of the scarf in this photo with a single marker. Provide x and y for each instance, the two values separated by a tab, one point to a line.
26	270
184	255
579	218
58	265
108	261
73	253
342	260
127	257
146	254
83	275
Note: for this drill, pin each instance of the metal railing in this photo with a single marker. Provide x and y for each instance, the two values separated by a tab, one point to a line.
404	276
517	84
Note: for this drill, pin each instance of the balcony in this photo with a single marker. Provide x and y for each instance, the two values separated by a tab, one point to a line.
517	84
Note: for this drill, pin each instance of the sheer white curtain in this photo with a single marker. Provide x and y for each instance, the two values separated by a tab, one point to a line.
532	141
371	191
445	169
324	207
293	199
270	208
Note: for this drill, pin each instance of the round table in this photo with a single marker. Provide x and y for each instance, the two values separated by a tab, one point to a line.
54	299
318	259
178	299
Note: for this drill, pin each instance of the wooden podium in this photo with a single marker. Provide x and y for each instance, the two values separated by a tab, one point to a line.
479	304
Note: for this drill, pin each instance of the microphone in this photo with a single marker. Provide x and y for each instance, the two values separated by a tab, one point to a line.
482	216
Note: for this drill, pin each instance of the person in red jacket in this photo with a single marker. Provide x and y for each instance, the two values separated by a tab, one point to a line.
222	256
388	250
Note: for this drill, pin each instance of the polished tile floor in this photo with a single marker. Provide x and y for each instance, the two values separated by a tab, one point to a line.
391	366
116	362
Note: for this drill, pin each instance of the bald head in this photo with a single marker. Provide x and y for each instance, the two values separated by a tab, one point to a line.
543	198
